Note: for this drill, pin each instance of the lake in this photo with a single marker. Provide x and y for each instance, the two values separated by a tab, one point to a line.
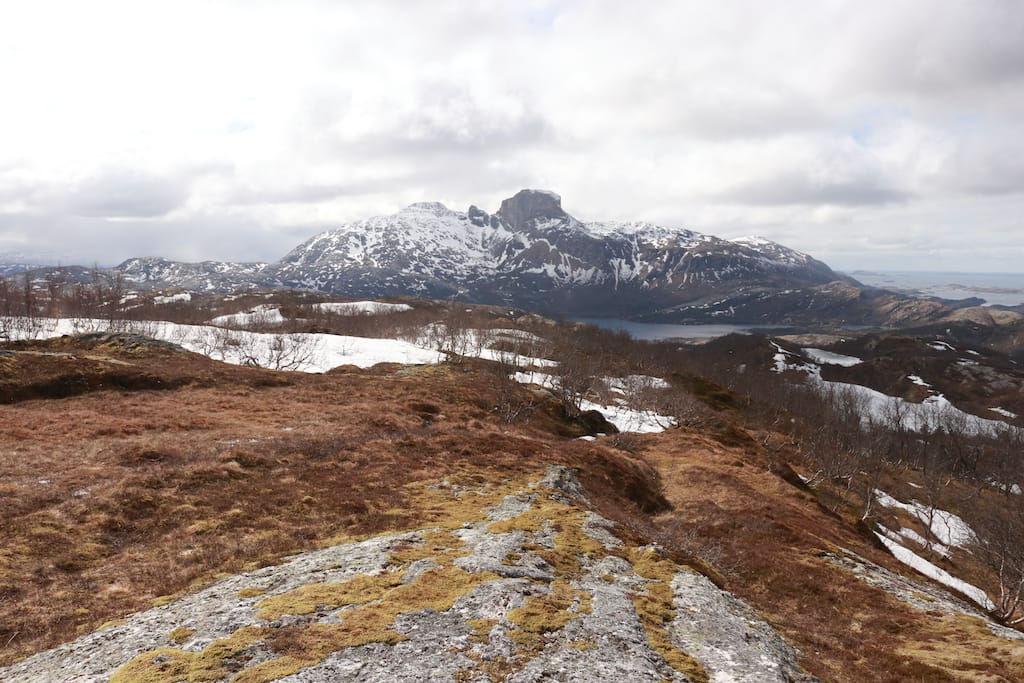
658	331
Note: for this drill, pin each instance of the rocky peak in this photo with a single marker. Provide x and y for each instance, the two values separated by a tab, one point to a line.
481	218
434	208
522	211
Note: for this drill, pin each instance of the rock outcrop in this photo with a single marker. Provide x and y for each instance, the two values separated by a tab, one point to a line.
522	584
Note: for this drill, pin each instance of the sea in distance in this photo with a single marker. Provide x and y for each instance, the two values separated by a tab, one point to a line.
1003	289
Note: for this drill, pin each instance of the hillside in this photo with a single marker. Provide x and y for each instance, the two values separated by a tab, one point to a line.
439	531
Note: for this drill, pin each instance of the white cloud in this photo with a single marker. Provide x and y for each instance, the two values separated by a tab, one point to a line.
832	127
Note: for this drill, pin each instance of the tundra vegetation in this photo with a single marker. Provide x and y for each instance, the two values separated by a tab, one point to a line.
132	471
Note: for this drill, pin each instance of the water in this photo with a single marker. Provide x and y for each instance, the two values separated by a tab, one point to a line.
1005	289
658	331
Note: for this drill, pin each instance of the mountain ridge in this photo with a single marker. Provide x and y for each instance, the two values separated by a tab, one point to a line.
529	254
532	255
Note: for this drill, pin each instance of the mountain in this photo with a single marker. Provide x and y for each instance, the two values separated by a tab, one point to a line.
532	254
210	276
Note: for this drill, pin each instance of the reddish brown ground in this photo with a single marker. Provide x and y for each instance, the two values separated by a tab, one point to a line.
768	536
159	470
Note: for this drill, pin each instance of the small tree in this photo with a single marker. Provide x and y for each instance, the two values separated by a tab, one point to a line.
998	524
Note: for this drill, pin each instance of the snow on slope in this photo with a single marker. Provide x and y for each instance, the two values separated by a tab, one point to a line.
948	528
305	352
173	298
260	315
310	352
361	308
829	358
925	567
880	408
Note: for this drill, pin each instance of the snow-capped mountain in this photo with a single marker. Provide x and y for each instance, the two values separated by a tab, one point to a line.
532	254
207	276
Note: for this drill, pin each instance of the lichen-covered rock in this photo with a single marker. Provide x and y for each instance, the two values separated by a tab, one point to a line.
532	587
728	637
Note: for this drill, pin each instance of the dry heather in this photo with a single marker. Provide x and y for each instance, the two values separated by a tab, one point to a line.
158	471
773	542
117	496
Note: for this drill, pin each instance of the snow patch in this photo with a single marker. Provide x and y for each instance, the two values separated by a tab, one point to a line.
361	308
265	314
947	527
925	567
173	298
829	358
628	419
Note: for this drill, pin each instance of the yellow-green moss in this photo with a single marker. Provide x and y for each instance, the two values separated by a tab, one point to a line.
111	624
436	589
439	545
546	614
656	609
251	592
180	635
271	670
481	629
571	542
170	665
306	599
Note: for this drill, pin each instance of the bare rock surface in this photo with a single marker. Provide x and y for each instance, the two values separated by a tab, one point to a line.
535	588
727	636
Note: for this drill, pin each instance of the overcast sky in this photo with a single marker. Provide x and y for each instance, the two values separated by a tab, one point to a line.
869	134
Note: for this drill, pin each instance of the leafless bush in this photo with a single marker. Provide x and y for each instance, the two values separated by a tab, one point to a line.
286	352
998	524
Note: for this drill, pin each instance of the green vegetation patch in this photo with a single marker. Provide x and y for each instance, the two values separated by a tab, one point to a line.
180	635
551	612
170	665
656	609
307	599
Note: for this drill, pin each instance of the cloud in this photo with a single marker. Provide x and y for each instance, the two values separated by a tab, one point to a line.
804	188
793	119
127	193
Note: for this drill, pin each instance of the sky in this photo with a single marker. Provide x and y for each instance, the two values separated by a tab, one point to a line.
872	135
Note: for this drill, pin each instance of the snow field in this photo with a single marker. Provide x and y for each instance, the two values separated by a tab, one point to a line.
948	528
361	308
829	358
305	352
931	414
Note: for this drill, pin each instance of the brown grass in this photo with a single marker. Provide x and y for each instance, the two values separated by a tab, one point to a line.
767	536
112	499
116	496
